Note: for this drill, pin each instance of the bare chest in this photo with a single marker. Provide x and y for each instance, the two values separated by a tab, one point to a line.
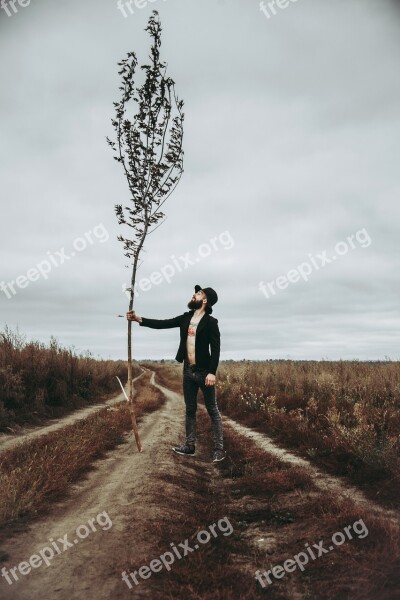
192	329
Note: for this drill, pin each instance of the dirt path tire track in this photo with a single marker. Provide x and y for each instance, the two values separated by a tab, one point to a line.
126	486
10	440
323	481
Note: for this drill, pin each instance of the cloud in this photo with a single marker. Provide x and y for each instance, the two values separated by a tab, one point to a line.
291	137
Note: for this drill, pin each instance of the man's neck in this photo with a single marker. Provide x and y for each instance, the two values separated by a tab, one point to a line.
199	312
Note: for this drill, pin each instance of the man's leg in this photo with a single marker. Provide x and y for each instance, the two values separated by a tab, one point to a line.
210	401
190	389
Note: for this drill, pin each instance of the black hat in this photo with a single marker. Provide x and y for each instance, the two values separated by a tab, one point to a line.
211	294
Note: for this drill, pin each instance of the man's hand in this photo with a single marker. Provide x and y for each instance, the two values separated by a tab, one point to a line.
132	316
210	379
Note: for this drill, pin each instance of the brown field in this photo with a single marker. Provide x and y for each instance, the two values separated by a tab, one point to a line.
39	471
345	416
39	381
332	416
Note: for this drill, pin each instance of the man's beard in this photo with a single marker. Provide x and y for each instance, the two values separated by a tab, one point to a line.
194	304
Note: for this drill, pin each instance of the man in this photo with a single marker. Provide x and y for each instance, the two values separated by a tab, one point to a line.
199	334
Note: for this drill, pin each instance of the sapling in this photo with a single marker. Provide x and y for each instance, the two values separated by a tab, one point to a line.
148	126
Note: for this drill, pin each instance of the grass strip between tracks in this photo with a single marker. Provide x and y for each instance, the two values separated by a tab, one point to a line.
41	470
275	509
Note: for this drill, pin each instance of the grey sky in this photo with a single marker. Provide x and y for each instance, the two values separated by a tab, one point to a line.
291	145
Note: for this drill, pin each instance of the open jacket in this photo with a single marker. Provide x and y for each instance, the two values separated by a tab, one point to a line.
207	337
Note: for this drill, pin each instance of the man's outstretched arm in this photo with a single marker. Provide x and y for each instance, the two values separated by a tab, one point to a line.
154	323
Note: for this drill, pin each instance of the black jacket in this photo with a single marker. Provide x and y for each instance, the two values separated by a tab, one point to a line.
207	336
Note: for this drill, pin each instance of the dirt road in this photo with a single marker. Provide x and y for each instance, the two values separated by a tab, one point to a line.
326	483
121	495
28	433
124	485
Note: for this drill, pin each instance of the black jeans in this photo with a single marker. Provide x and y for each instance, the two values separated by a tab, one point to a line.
192	381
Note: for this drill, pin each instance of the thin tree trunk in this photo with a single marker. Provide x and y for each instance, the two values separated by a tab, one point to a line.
130	379
130	384
130	388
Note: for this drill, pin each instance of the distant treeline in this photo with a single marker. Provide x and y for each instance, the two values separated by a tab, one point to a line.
39	380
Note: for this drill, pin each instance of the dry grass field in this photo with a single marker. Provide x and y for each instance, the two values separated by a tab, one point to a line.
343	415
39	381
334	416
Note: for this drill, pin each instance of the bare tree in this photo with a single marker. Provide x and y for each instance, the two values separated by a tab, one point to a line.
149	148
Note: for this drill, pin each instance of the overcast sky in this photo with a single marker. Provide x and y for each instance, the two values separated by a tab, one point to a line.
292	130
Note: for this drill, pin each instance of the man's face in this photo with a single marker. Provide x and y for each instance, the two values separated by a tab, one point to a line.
197	300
